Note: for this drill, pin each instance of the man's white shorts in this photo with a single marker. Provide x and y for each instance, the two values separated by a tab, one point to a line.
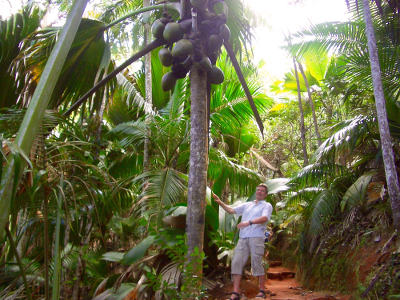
245	247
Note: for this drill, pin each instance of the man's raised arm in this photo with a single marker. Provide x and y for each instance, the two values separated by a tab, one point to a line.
227	208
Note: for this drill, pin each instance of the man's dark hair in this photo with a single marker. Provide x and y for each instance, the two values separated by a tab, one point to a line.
264	186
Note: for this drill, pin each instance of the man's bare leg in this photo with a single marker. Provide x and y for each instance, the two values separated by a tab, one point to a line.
261	282
261	285
236	284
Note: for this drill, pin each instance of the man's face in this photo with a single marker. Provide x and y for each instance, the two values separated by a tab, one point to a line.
261	193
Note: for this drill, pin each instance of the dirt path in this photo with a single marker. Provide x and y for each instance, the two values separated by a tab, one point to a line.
281	285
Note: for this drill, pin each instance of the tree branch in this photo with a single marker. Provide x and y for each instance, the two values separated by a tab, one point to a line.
173	6
239	73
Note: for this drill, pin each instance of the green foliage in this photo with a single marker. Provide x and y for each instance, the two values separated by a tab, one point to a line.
138	251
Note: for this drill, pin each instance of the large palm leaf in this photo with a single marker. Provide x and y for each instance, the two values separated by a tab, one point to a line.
88	59
229	108
224	170
348	136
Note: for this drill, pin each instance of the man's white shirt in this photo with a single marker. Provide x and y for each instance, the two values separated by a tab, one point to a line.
250	211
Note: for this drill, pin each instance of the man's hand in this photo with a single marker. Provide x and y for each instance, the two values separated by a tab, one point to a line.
243	224
216	198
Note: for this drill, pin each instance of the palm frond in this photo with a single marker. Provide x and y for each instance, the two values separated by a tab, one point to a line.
163	188
317	173
241	179
333	36
355	194
133	133
302	196
323	209
229	107
120	8
133	95
239	25
10	120
348	136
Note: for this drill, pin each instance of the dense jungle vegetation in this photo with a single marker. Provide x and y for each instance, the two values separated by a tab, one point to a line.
108	160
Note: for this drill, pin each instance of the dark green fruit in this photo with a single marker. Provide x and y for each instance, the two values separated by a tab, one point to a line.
182	49
180	70
224	32
216	76
186	25
219	7
222	18
205	63
206	24
172	32
164	20
165	57
213	56
214	42
157	29
168	81
207	15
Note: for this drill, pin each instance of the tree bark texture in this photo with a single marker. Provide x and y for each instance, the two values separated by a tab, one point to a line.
302	128
311	104
387	149
198	164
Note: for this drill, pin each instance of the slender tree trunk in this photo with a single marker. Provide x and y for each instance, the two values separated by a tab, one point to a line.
311	104
101	115
387	149
148	87
198	164
302	128
46	241
78	273
20	264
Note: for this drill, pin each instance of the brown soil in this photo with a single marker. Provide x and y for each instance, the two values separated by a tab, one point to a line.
282	287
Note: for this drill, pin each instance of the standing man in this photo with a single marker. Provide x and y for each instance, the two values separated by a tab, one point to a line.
255	215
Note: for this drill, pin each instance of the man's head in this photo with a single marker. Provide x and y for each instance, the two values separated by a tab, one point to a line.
261	191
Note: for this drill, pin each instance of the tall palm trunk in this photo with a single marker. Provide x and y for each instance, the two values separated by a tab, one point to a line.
311	104
387	150
302	128
198	164
34	114
148	87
